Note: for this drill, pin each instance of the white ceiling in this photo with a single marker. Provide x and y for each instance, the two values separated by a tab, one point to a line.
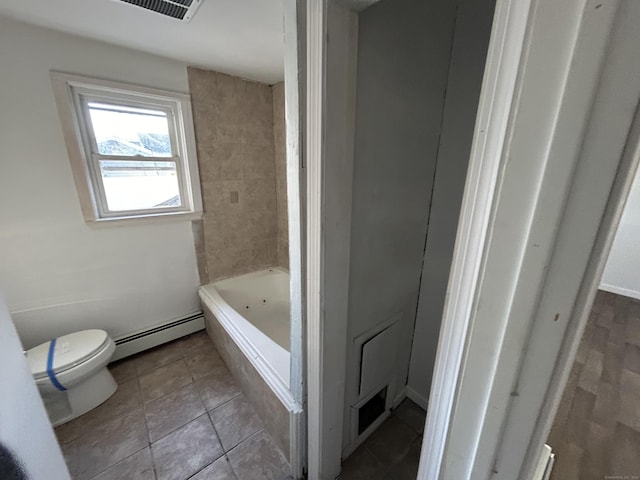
239	37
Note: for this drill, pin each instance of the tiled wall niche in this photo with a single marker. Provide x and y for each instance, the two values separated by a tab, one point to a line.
239	168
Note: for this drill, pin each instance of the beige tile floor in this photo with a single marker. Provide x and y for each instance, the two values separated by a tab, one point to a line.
596	432
393	451
178	414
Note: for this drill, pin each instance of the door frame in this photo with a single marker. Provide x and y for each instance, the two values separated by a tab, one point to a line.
532	211
294	75
523	282
603	92
331	83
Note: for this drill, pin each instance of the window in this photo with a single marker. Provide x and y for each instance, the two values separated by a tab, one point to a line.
132	149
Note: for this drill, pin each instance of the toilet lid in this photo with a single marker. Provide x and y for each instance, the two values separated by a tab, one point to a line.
69	351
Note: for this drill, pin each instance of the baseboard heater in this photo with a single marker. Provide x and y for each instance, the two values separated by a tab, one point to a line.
136	342
545	464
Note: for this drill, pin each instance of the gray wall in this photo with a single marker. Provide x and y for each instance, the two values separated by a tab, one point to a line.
471	40
403	59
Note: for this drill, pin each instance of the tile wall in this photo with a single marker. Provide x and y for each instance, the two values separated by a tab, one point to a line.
268	406
234	128
280	144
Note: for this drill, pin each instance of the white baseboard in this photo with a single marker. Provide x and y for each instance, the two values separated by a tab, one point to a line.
402	394
136	342
620	291
417	398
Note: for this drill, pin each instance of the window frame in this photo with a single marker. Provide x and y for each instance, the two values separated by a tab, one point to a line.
73	93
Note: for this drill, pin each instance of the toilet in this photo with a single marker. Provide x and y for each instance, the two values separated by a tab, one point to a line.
71	373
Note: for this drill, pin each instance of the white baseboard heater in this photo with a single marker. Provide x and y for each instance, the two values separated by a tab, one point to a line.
141	340
545	464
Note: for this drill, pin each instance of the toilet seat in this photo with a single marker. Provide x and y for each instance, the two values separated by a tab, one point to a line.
71	352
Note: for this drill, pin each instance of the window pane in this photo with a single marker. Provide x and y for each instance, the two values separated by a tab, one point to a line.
131	185
121	130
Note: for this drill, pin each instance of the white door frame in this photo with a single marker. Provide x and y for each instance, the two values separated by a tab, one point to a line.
604	81
294	74
520	288
552	124
331	80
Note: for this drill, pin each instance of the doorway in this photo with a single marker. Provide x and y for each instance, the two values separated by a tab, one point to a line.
532	209
596	429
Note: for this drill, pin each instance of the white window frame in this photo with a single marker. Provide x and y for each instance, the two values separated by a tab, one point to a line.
73	94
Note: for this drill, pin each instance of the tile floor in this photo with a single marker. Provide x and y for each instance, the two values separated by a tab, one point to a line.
178	414
393	451
596	432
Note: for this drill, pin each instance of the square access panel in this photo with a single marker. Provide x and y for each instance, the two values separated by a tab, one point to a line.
377	360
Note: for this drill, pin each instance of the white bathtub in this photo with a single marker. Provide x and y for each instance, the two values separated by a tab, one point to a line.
254	310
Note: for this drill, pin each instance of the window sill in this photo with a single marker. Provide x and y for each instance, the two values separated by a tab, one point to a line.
146	219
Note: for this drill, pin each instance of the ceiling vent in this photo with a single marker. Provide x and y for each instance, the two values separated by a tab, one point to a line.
183	10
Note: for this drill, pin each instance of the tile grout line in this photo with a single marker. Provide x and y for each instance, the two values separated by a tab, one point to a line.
172	391
250	436
224	454
183	355
241	441
137	451
388	466
411	427
193	420
206	411
119	462
105	421
225	402
180	426
144	410
137	377
146	426
219	441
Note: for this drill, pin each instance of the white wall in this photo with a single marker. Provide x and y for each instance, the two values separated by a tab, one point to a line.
470	44
60	274
26	430
622	271
403	60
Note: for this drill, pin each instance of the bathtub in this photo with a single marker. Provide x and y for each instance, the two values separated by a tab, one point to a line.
254	309
248	319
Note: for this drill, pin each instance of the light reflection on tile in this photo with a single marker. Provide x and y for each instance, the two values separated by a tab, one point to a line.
136	467
235	421
186	451
164	380
258	458
172	411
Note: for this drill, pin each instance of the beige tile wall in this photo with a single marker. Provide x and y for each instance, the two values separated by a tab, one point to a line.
197	227
234	127
280	144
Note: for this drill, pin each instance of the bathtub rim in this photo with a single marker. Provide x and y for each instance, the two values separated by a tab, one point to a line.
248	274
226	315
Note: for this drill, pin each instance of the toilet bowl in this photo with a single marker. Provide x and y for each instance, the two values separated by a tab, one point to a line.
71	373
